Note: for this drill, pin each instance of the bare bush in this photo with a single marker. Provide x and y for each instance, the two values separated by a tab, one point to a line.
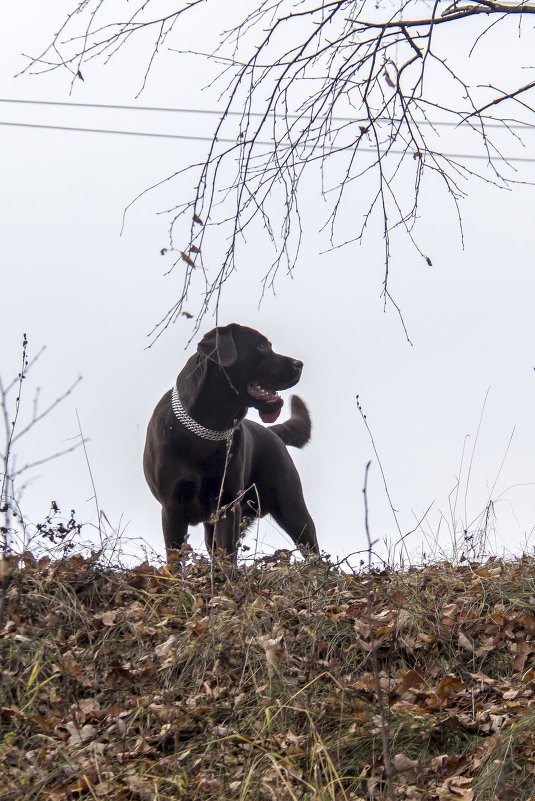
12	472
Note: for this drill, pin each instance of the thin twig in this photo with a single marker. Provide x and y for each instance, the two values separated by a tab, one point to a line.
385	736
88	463
7	478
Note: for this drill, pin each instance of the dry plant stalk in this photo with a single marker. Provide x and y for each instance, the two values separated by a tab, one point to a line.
383	713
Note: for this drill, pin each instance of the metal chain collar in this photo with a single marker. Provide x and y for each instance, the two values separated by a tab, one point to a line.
192	425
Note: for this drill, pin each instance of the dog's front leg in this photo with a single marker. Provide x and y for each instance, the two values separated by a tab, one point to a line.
226	531
175	528
210	541
209	537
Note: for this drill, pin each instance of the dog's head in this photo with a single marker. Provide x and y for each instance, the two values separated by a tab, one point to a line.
251	367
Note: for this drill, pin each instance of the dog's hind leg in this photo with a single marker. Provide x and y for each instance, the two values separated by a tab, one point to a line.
296	522
290	512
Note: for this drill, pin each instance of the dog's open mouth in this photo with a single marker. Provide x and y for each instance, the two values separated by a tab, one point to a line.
268	402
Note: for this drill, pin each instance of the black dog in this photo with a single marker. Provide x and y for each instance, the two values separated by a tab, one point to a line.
205	463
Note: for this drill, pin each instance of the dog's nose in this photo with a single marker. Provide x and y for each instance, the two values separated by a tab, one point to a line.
297	364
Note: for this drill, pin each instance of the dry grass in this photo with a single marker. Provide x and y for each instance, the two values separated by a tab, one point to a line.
195	681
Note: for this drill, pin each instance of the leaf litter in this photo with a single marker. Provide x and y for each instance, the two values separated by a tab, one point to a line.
206	681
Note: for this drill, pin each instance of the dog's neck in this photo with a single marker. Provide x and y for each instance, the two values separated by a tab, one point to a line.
205	383
192	425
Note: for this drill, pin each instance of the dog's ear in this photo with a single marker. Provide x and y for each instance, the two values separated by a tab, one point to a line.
218	346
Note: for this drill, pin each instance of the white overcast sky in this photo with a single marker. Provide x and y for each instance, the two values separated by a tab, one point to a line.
72	283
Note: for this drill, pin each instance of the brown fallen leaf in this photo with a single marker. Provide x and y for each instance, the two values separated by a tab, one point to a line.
464	642
274	651
449	687
108	618
456	789
187	259
165	648
528	676
404	764
141	788
76	670
411	678
222	602
522	651
198	627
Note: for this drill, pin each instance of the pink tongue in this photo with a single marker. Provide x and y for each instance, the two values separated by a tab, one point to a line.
269	417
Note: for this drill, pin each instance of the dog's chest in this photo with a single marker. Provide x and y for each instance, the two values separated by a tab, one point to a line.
220	481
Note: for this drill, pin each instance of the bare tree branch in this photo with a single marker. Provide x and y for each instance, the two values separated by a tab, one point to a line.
351	94
38	416
38	462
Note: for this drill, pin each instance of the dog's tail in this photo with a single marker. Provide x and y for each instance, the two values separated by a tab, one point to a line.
296	430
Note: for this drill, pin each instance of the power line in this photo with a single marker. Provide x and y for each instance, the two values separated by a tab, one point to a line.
211	112
111	131
477	156
117	107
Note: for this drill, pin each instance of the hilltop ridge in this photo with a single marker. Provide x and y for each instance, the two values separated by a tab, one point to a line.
273	680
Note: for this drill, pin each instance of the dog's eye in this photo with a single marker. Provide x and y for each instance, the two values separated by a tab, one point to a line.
262	346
